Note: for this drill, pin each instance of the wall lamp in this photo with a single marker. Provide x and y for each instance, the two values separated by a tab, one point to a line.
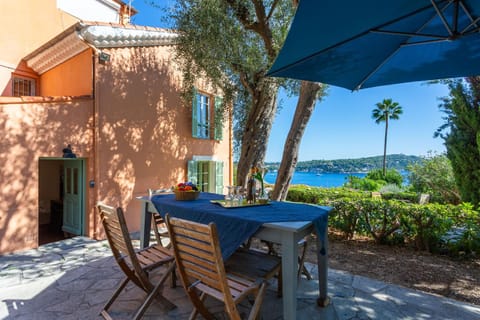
103	57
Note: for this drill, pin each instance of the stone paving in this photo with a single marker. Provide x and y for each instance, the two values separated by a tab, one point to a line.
72	279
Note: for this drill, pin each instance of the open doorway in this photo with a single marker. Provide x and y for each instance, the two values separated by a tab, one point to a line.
60	199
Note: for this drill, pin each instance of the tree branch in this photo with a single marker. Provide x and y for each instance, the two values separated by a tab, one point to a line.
272	8
264	28
243	76
260	26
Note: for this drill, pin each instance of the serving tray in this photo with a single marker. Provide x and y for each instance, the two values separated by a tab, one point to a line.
234	205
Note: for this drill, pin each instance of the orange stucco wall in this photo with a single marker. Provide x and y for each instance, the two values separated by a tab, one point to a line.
21	23
31	129
71	78
134	134
132	129
145	132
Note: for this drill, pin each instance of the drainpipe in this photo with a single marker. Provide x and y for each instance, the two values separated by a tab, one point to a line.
95	137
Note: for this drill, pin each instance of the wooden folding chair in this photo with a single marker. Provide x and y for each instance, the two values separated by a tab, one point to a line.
135	264
159	230
203	273
303	246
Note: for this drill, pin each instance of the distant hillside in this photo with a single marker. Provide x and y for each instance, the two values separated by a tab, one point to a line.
394	161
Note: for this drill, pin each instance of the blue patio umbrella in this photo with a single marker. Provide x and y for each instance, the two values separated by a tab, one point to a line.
359	44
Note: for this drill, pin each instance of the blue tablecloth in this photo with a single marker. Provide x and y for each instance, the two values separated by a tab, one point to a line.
236	225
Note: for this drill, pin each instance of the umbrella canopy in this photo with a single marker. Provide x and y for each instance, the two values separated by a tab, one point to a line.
359	44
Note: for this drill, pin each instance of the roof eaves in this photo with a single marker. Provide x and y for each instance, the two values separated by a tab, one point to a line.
56	51
83	35
113	36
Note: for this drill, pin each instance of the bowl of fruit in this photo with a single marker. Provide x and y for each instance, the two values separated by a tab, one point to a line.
186	191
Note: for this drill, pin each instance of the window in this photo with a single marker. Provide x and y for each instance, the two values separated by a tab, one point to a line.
202	124
23	87
201	114
207	175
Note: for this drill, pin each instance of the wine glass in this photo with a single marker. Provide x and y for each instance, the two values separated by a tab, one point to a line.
229	196
238	195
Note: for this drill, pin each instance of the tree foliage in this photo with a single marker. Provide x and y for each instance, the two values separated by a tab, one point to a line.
384	111
233	43
461	133
434	175
392	176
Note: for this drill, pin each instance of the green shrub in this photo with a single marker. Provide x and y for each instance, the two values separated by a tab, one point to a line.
402	196
397	218
375	180
317	195
375	174
434	175
464	238
382	218
392	176
345	216
364	183
300	193
391	188
426	224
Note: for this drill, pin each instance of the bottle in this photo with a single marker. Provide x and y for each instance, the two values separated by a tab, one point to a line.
251	186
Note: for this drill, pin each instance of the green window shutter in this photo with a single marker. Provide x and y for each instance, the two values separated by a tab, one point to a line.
203	173
218	130
207	123
219	177
194	113
192	173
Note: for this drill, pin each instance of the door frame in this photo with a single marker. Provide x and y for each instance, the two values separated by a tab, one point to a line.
82	189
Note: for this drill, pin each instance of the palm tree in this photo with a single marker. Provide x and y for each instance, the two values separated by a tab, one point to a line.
387	109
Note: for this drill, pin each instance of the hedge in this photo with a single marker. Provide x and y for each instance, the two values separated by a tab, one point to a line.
452	229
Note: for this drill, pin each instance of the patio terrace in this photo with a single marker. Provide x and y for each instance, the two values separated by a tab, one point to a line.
73	278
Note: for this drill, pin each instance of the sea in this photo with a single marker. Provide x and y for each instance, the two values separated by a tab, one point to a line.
327	180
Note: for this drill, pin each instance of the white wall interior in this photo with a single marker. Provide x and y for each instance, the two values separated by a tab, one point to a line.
91	10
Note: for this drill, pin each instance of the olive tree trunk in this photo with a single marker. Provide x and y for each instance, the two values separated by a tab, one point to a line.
257	128
305	106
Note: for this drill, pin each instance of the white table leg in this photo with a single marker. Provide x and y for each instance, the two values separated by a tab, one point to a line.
322	261
289	274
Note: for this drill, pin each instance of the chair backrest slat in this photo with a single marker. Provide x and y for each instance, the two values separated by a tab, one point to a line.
196	233
204	263
158	223
116	238
114	231
197	250
157	218
200	272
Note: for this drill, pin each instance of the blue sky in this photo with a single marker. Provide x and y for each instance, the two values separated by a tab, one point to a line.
341	125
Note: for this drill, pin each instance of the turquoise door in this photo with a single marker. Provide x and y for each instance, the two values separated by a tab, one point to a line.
73	197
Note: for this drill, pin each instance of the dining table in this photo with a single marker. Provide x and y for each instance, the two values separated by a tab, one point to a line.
282	222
